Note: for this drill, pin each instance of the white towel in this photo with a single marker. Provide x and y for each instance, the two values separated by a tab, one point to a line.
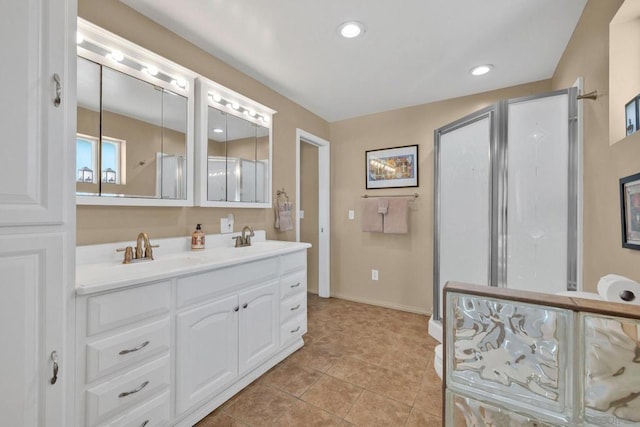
284	222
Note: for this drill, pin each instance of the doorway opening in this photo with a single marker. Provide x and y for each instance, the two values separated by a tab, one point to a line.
313	207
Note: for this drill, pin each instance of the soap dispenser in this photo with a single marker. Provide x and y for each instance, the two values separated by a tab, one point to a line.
197	238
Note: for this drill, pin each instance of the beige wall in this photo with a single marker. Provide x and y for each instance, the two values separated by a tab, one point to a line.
309	204
99	224
588	55
404	262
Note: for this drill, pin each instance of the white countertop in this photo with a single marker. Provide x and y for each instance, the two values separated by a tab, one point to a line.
99	268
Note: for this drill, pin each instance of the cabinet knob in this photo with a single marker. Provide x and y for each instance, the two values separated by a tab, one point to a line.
296	285
245	305
293	331
236	308
295	308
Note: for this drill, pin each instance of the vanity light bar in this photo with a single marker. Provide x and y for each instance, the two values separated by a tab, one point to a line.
234	105
119	57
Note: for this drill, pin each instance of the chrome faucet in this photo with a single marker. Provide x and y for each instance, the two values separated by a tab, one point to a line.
243	239
143	250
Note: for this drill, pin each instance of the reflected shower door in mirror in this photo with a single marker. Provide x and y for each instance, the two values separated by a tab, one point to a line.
234	142
134	124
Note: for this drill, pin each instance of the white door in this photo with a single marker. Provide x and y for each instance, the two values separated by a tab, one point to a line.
37	216
259	320
207	350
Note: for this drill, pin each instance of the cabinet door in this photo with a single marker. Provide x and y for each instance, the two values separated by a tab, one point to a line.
259	324
207	350
30	283
32	160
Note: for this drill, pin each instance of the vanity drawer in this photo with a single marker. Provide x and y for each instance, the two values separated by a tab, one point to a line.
120	308
292	307
293	284
153	413
111	397
293	329
117	351
293	262
192	289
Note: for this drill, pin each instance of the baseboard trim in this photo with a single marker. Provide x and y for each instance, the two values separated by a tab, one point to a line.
407	308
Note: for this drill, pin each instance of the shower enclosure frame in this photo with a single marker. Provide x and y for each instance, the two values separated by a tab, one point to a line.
497	245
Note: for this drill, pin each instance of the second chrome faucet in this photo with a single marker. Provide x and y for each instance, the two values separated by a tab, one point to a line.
244	239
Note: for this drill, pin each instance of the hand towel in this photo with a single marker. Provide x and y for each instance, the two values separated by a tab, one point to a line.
371	219
396	221
284	222
383	206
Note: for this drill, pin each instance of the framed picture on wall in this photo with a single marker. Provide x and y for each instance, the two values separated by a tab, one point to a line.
630	211
394	167
631	116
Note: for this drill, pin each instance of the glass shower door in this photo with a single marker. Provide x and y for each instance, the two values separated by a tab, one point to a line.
463	208
541	194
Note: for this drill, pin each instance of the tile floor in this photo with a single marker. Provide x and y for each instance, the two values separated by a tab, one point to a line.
361	365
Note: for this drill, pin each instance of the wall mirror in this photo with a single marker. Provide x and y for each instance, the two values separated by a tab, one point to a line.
234	146
134	124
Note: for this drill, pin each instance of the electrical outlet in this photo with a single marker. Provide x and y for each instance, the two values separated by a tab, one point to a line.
301	214
374	274
352	214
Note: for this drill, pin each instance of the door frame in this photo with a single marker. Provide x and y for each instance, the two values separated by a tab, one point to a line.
324	193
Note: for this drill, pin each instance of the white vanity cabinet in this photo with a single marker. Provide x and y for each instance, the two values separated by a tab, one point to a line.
180	347
123	365
206	350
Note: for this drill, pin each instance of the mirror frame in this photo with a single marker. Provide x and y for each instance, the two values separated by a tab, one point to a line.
109	41
205	88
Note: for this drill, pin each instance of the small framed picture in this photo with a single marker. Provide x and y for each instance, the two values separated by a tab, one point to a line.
392	167
630	211
631	116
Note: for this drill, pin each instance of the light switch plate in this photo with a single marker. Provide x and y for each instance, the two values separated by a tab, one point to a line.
352	214
226	226
301	214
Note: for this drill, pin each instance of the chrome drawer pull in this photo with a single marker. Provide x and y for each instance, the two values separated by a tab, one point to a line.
131	350
144	423
296	285
295	330
295	308
127	393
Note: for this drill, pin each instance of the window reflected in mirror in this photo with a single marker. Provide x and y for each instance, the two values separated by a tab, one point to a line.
132	136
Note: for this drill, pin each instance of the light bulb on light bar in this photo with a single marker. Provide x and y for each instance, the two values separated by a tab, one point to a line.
252	113
265	119
181	83
216	97
235	105
116	55
151	70
79	38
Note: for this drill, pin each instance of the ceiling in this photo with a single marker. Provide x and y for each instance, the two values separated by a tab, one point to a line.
413	51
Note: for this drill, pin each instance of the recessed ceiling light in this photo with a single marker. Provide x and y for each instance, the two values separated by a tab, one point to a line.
351	29
481	69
